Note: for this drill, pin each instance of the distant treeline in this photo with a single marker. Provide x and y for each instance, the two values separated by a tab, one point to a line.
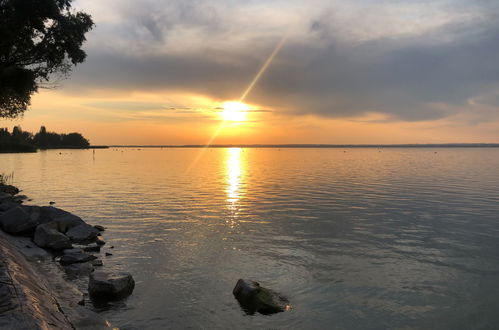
22	141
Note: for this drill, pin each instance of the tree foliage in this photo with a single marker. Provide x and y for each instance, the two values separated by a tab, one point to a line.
21	141
38	39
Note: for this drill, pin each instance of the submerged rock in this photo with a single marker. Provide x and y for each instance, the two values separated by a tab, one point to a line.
48	236
254	298
106	286
74	256
82	232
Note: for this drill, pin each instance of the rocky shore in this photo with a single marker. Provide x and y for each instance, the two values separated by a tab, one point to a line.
41	246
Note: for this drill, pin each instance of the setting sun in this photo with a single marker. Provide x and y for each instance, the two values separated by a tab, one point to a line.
234	111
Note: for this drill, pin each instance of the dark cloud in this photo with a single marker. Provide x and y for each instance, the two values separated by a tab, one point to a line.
406	76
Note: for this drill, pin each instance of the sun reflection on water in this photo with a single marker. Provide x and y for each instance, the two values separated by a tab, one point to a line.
234	174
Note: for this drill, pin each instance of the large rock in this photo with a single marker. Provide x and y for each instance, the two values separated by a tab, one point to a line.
18	220
74	256
48	236
11	190
65	219
5	197
79	269
82	233
254	298
105	286
7	205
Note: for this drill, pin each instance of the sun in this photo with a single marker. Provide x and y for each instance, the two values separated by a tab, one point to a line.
234	111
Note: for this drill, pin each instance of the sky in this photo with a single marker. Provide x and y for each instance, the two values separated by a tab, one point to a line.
307	71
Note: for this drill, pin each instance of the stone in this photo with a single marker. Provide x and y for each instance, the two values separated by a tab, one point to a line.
19	198
110	286
17	221
97	263
11	190
82	232
7	205
5	197
74	256
79	269
99	227
93	247
48	236
108	254
99	240
254	298
65	219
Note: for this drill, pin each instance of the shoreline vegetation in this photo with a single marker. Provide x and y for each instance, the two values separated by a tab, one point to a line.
19	141
42	248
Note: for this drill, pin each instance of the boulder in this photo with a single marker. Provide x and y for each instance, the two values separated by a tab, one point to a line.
5	197
106	286
11	190
7	205
254	298
48	236
65	219
79	269
82	232
17	221
74	256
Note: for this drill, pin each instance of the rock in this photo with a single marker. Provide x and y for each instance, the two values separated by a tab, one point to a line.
254	298
17	221
5	197
105	286
99	227
48	236
11	190
93	247
65	219
82	232
19	198
97	263
108	254
99	240
7	205
79	269
74	256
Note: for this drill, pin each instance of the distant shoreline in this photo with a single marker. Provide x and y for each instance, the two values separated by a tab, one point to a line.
442	145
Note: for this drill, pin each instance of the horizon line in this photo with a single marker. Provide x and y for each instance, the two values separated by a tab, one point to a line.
314	145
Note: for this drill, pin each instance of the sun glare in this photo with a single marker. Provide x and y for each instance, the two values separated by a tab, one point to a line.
234	111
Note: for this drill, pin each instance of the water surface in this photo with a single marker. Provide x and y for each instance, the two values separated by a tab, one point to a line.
355	238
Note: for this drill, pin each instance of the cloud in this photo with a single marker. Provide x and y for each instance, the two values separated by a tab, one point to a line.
403	59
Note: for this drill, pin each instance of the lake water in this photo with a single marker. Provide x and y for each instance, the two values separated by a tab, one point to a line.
355	238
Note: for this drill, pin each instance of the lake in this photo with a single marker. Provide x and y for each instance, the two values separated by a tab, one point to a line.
358	238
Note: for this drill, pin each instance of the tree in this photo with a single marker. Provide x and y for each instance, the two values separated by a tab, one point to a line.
38	39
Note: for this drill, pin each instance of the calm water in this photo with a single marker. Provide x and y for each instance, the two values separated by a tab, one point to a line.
355	238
